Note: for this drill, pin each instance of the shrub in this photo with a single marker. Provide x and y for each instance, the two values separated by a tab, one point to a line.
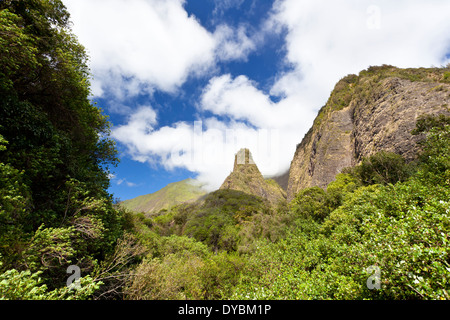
24	285
381	168
311	202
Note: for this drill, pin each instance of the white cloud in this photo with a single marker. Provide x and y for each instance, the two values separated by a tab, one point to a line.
121	181
139	46
223	5
233	44
141	39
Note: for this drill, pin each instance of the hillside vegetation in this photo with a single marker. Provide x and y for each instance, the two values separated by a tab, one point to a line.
379	231
173	194
357	226
56	215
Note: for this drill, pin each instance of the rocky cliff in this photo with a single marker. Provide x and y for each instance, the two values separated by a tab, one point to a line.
247	178
366	113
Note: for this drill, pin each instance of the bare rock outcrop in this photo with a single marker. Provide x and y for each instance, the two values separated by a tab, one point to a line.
247	178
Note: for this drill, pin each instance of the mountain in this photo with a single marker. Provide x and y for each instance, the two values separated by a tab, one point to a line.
366	113
174	193
282	180
247	178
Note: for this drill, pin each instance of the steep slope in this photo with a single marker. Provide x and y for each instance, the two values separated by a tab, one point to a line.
374	111
247	178
173	194
282	180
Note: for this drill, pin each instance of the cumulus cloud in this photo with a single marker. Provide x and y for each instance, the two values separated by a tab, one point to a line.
141	40
240	99
139	46
232	43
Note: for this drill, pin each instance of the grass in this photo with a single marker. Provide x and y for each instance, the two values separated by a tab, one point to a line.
173	194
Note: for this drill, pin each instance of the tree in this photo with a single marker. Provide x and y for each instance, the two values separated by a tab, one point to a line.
381	168
311	202
54	148
435	158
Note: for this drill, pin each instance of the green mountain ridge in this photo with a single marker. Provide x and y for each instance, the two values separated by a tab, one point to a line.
173	194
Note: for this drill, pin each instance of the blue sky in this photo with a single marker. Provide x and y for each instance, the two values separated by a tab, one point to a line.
187	83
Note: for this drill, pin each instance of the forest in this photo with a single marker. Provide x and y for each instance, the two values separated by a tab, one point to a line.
380	230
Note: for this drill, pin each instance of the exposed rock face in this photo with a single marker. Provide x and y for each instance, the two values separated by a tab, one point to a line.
247	178
365	114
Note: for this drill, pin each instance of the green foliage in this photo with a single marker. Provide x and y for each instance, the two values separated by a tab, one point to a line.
172	278
49	247
427	122
215	221
342	185
186	269
343	92
446	77
317	203
54	145
209	227
411	74
15	42
321	246
311	202
381	168
181	244
24	285
402	229
435	158
14	194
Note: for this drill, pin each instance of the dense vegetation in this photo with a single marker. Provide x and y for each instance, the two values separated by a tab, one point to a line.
385	215
381	230
54	148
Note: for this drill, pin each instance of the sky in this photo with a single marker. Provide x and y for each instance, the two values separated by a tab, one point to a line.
187	83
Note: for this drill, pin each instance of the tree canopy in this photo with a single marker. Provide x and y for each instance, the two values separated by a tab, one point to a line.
54	150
